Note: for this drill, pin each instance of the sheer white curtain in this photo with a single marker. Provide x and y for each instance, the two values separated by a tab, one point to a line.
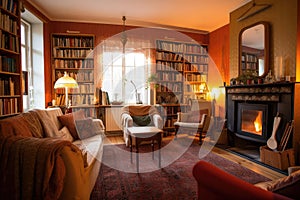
120	79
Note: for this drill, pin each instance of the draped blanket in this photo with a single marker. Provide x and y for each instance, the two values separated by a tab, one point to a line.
137	110
31	168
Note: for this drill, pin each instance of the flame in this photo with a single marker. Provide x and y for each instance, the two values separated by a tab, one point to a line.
257	122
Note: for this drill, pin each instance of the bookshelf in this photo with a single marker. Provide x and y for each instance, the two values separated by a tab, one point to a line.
168	112
10	59
181	70
73	53
249	62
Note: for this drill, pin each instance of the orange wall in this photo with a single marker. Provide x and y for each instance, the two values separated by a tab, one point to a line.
219	50
101	32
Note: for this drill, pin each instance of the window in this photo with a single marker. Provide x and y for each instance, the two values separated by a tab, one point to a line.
26	63
126	83
32	51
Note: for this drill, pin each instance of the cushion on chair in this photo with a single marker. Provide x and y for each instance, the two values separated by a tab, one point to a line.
145	120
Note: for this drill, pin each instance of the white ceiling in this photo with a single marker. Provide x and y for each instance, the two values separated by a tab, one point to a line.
207	15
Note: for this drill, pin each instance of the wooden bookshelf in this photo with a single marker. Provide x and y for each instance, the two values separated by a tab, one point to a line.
181	71
168	112
73	53
249	62
10	59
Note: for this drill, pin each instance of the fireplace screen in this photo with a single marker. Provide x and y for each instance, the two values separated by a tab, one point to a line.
252	121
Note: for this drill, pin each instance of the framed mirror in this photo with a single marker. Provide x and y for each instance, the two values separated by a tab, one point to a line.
254	49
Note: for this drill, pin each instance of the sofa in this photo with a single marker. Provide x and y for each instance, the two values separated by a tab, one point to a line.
47	155
139	115
214	183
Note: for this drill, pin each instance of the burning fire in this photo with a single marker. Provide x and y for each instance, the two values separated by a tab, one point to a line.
257	122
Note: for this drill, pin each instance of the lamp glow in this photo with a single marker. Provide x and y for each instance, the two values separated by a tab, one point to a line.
66	82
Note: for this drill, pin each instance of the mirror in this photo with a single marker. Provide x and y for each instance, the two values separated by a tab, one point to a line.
254	49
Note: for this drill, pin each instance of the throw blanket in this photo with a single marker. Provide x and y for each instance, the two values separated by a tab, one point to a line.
139	110
31	168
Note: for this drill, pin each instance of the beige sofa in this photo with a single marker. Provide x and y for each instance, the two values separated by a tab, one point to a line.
41	159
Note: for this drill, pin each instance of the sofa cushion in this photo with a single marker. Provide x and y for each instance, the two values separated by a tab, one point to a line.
34	124
142	120
68	120
287	186
85	128
196	115
64	134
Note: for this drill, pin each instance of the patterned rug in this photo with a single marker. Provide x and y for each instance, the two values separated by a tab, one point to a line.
173	181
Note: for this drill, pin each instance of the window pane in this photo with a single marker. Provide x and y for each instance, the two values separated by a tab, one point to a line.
23	35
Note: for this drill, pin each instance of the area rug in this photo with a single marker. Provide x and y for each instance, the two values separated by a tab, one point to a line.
174	181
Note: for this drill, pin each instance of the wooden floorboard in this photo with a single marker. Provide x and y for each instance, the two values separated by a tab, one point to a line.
260	169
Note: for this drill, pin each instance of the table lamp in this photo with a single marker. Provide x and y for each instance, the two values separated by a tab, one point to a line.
66	82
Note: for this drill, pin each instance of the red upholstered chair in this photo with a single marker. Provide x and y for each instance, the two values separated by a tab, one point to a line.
214	183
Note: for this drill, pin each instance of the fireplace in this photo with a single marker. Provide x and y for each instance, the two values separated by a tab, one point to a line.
252	122
250	110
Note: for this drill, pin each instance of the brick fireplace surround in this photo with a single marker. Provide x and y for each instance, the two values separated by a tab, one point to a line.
270	99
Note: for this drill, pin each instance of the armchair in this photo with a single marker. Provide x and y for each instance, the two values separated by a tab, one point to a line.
195	121
139	115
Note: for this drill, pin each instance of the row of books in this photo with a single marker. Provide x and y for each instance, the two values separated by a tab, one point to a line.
82	89
169	66
196	58
195	77
73	42
169	87
8	24
249	58
192	48
8	64
102	97
166	76
80	76
195	88
169	46
7	86
251	66
181	47
78	64
8	106
195	67
9	5
9	42
75	99
72	53
168	56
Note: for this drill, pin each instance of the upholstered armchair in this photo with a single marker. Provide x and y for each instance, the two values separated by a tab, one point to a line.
139	115
195	121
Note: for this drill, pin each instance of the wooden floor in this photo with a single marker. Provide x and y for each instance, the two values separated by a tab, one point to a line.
267	172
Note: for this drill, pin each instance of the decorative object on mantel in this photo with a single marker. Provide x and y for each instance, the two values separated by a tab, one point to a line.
254	9
272	143
269	78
